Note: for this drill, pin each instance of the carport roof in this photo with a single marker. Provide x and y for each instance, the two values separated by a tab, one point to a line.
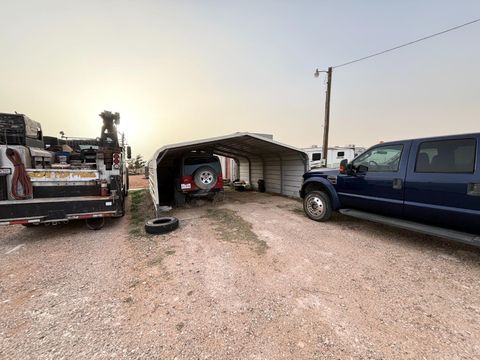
241	144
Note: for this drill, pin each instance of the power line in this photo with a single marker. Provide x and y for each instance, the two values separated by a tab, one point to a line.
407	44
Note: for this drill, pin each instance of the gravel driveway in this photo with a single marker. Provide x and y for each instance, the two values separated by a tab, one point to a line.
251	278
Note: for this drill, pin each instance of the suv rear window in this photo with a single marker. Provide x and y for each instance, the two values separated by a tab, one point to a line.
200	160
446	156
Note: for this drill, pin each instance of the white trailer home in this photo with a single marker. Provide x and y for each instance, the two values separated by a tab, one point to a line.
334	156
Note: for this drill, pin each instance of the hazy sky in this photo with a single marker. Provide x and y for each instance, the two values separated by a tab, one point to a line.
183	70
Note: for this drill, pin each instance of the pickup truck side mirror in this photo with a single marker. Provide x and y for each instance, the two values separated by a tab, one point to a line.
347	168
129	152
362	169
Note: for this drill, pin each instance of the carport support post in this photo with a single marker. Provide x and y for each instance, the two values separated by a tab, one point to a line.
326	125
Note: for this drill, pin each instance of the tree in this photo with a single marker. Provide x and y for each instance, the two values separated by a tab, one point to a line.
137	163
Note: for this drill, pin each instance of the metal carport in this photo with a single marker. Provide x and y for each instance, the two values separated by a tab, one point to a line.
280	166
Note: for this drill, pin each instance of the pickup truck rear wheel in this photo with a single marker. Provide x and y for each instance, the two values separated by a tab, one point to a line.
317	205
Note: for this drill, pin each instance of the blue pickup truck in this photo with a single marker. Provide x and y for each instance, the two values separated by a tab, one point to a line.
429	185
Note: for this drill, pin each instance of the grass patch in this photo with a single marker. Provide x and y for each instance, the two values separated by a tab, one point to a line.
233	228
141	210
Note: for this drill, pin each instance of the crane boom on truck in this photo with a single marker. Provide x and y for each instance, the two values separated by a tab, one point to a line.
50	180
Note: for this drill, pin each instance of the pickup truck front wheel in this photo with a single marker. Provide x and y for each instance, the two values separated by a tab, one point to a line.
317	205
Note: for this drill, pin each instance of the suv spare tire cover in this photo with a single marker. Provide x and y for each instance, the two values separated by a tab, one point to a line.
161	225
205	178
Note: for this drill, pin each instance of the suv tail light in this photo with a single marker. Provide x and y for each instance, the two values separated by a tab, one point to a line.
219	184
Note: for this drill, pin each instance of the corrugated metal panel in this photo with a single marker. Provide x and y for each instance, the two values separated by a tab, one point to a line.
152	180
236	142
273	180
235	170
256	169
292	165
244	170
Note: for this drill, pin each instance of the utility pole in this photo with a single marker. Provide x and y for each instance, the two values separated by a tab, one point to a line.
326	124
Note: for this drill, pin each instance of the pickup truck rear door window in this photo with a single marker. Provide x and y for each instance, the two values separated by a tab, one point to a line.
439	184
446	156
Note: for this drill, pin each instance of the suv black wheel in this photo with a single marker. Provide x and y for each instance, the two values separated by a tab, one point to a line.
318	206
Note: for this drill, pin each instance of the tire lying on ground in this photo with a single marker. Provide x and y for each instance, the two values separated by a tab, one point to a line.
161	225
205	177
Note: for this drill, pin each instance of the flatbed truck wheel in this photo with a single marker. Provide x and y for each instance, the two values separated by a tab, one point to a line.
95	223
124	207
127	186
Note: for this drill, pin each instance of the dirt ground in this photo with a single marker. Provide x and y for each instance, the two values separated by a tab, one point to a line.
250	278
138	182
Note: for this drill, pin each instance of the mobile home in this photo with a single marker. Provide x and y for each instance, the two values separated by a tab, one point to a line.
334	156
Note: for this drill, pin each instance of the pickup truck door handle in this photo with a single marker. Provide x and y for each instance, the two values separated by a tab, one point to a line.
473	189
397	184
